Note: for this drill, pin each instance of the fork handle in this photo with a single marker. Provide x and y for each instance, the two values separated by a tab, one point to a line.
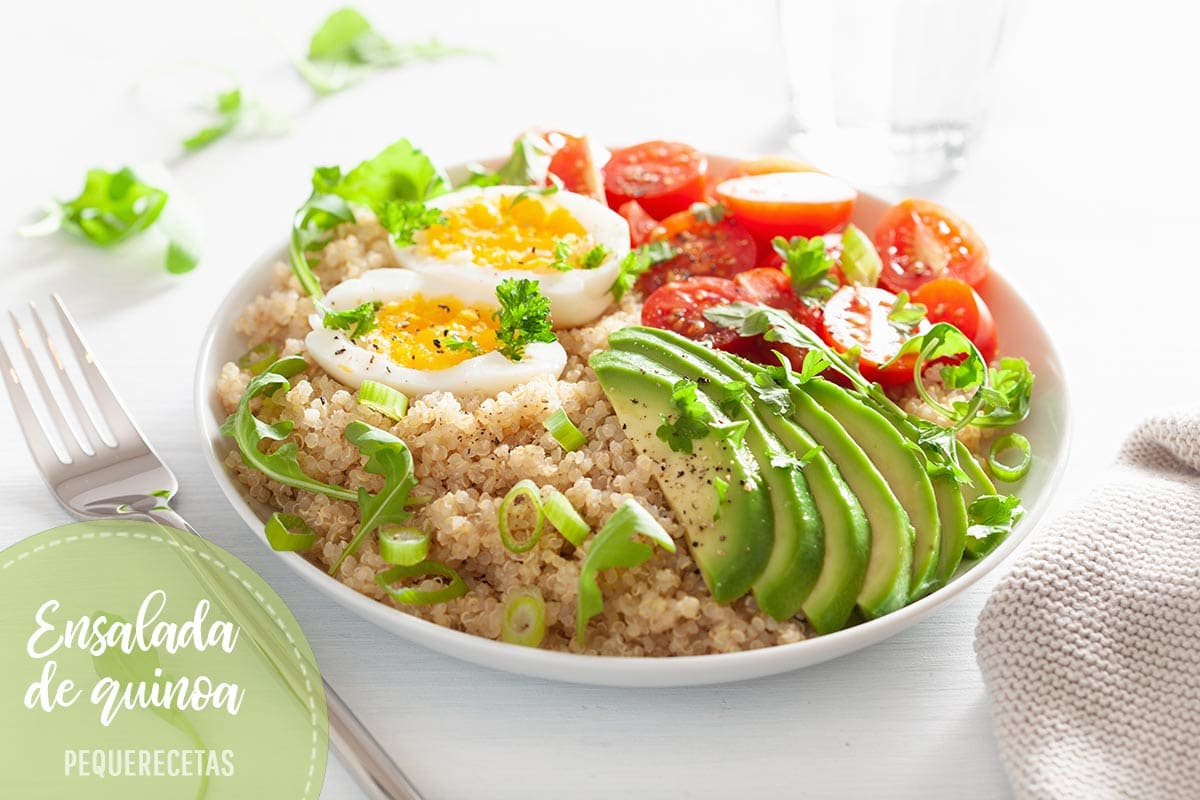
361	754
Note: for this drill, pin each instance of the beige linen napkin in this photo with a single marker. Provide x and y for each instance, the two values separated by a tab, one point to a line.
1090	648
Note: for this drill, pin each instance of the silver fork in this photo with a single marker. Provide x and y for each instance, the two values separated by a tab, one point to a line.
124	476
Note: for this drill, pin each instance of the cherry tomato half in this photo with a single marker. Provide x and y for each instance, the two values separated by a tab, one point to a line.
954	301
757	166
722	248
574	165
680	307
920	240
664	177
641	224
857	316
788	203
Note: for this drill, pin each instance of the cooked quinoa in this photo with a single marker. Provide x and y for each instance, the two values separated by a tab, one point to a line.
467	454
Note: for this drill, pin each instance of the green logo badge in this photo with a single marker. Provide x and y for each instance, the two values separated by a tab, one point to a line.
138	661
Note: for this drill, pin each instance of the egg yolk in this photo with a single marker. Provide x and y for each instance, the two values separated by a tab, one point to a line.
511	232
434	333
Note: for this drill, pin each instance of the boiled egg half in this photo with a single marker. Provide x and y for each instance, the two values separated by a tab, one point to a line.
431	334
571	244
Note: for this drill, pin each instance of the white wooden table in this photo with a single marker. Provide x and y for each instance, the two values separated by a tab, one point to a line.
1082	186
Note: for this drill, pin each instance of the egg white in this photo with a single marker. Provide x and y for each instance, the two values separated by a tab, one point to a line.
351	363
576	297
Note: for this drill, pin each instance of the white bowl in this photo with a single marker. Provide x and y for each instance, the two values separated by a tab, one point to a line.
1048	429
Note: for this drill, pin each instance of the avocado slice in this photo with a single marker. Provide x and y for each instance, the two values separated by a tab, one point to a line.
799	549
847	533
900	465
886	587
730	538
980	484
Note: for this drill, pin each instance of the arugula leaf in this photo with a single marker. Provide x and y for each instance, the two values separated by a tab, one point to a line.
595	257
637	262
347	47
359	320
400	172
524	317
249	432
710	213
860	260
113	207
562	255
403	218
808	265
692	420
815	362
1008	402
905	316
527	165
614	546
991	518
387	456
229	109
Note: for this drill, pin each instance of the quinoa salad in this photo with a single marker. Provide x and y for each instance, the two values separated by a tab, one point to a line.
615	403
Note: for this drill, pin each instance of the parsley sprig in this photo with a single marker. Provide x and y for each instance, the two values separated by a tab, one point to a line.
359	320
523	315
693	420
808	266
637	262
403	218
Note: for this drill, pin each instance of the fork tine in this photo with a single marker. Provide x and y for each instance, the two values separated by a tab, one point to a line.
86	424
112	410
75	448
35	436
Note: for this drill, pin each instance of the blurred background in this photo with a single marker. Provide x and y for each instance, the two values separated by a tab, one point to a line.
1080	175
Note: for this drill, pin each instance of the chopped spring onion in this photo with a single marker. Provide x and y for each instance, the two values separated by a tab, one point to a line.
524	618
615	546
529	489
564	431
287	532
258	358
565	519
402	545
1005	472
456	587
384	399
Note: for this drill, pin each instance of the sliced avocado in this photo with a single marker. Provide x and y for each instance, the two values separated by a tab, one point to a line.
799	549
952	513
730	537
900	466
889	571
847	533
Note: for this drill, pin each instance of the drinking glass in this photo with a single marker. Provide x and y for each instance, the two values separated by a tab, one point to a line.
889	93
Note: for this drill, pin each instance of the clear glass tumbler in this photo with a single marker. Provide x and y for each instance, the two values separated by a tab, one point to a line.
889	92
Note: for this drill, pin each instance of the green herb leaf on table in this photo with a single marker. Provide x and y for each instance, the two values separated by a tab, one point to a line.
359	320
249	432
403	218
347	47
114	207
387	456
614	546
637	262
808	266
524	317
228	108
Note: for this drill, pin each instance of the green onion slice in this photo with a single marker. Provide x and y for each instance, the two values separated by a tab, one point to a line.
287	532
615	546
524	618
529	489
565	519
564	431
384	399
457	587
258	358
403	545
1010	472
